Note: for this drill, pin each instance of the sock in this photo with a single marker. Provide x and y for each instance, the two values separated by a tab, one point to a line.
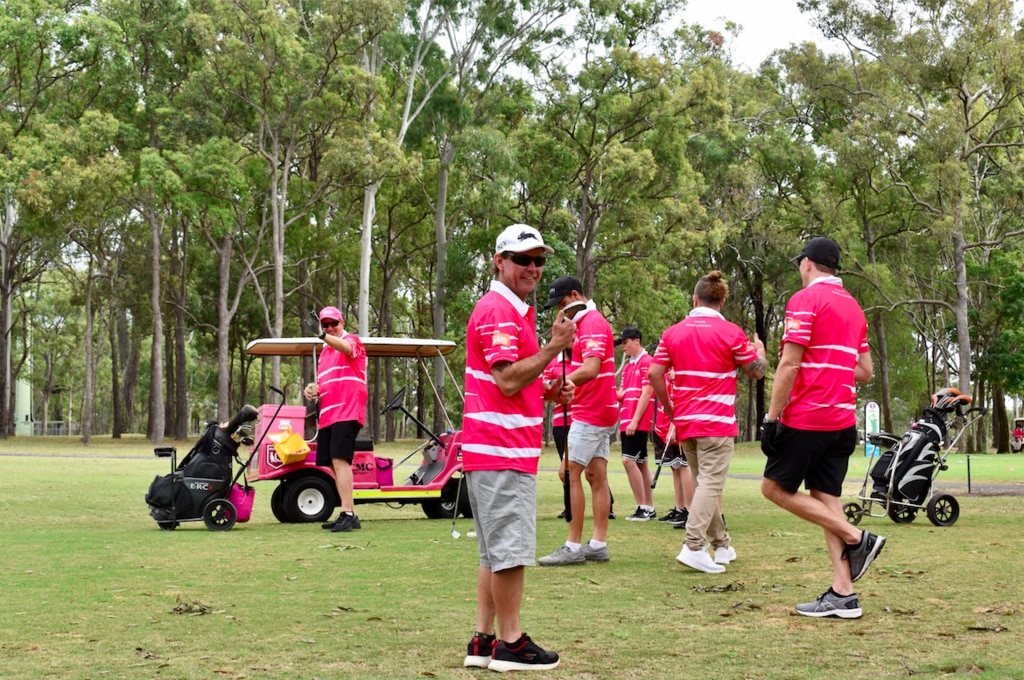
518	644
485	636
832	590
596	544
573	546
648	508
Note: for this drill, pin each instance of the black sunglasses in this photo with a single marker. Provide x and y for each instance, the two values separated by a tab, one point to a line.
329	324
525	260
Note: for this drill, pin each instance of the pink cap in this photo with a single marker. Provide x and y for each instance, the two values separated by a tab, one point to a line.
332	313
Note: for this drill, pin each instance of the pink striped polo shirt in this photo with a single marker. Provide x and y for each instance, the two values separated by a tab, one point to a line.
499	432
706	351
595	402
634	380
828	322
342	383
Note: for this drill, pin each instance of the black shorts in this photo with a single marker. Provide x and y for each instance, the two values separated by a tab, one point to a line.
337	441
634	446
817	459
671	455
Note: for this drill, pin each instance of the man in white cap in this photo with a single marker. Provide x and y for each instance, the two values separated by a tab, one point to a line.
341	388
502	436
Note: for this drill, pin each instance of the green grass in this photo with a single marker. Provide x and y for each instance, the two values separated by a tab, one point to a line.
90	586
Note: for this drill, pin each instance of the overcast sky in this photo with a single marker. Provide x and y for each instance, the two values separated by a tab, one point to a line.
767	25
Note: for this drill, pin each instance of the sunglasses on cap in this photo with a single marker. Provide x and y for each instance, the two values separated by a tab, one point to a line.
525	260
329	324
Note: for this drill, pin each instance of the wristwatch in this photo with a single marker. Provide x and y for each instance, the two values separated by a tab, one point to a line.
769	420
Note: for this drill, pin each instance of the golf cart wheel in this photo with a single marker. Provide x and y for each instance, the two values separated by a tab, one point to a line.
167	526
277	505
853	512
309	499
454	499
219	514
901	514
943	510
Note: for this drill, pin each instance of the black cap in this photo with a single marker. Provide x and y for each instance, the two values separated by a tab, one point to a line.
629	333
562	286
822	250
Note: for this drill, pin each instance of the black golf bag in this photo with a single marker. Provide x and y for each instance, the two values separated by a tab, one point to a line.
908	467
202	474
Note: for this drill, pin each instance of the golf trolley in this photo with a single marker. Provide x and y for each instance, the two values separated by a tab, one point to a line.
202	487
901	482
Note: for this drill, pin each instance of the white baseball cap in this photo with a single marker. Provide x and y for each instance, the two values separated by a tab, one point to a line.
519	238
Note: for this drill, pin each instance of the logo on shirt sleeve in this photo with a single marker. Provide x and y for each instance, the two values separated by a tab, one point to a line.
594	345
499	339
792	325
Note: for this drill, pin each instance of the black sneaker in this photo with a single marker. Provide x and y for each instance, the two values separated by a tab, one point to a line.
347	522
863	553
521	655
479	651
670	516
642	515
832	606
330	525
681	522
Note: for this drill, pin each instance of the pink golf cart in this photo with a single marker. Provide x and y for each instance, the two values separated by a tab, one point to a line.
306	492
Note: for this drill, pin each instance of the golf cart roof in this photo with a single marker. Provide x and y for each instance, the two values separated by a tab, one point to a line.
375	347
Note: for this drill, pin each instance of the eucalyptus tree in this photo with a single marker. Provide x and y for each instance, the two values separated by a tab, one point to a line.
46	50
290	65
607	160
960	66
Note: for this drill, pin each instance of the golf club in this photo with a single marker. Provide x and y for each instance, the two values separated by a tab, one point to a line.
661	461
455	511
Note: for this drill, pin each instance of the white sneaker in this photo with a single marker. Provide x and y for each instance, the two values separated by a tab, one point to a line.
725	555
699	560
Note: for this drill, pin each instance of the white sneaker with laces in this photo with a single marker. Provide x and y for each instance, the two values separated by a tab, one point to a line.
725	555
699	560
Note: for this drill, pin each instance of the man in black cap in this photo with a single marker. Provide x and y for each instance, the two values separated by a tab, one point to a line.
636	418
810	429
594	420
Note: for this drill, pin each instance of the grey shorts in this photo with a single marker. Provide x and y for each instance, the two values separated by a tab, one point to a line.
587	442
504	504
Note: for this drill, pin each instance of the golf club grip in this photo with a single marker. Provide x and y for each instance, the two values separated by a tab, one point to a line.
657	473
244	415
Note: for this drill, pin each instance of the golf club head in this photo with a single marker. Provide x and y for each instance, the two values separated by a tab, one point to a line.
455	534
573	309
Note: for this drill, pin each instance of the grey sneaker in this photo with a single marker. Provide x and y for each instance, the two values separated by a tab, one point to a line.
832	606
595	554
862	554
563	556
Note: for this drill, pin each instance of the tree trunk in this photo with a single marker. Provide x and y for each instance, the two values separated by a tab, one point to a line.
882	348
1000	421
440	288
115	386
156	373
131	353
88	389
223	329
366	254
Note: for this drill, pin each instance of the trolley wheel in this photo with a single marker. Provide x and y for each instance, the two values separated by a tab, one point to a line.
853	512
219	514
167	526
309	499
277	505
943	510
900	513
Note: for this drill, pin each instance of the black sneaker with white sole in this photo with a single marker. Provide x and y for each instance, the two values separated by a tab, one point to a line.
832	606
521	655
862	554
347	522
479	651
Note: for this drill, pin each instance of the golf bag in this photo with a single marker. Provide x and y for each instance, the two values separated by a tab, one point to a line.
908	467
202	474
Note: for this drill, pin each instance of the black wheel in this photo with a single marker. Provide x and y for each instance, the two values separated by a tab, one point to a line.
453	496
309	499
277	505
167	526
901	514
219	514
943	510
853	512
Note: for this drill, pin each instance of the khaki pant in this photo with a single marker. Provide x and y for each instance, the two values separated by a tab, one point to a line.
709	459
